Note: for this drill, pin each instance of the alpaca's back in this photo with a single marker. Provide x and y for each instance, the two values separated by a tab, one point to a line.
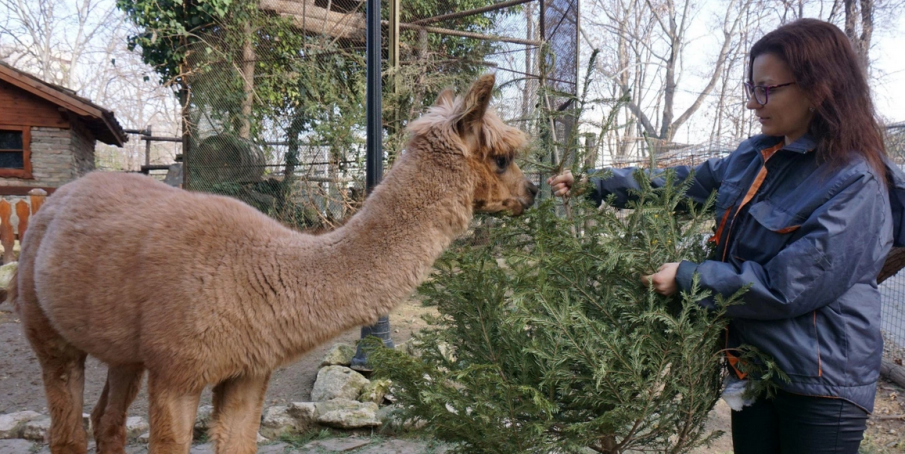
119	259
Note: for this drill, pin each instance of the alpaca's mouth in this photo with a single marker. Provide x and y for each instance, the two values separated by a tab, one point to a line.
517	206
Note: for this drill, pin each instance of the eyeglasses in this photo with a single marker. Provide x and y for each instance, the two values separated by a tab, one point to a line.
761	93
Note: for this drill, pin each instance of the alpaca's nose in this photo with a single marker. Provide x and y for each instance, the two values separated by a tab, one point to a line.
532	188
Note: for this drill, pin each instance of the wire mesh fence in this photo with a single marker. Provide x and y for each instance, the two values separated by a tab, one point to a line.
276	94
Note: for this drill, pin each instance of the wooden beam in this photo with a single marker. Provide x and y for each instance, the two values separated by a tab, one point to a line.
315	19
446	31
309	17
471	12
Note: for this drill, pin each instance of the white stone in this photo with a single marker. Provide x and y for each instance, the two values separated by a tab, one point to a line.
339	355
135	426
18	446
337	382
347	414
277	421
203	419
11	424
375	391
305	413
36	429
6	273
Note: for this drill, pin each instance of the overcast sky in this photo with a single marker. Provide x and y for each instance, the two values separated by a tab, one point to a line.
889	61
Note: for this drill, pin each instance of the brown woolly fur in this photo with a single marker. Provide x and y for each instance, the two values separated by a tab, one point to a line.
201	290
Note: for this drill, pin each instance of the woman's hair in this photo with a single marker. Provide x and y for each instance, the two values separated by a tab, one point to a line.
824	65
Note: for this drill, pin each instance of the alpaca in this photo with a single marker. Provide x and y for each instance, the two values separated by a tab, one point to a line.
201	290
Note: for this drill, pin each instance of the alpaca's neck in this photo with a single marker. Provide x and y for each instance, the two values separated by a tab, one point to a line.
371	264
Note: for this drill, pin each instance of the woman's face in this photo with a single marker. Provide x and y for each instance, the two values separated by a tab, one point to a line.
787	111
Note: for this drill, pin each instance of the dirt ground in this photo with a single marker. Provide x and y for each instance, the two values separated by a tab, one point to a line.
20	374
21	389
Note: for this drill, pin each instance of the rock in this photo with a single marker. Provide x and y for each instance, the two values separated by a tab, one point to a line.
17	446
277	421
336	444
36	429
135	426
305	414
393	424
337	382
207	448
375	391
6	273
402	447
144	438
11	424
339	355
347	414
203	420
261	440
277	448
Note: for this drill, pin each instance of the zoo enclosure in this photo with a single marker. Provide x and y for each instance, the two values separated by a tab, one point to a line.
273	100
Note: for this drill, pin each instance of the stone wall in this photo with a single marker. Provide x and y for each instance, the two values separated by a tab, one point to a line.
58	156
82	149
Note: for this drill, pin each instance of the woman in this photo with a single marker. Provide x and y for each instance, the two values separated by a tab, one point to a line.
806	214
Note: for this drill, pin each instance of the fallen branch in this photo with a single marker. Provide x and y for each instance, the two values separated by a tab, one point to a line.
893	372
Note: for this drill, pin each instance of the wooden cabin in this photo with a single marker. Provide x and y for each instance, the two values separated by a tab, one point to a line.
47	133
47	138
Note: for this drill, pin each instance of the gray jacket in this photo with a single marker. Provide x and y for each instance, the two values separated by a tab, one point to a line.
810	239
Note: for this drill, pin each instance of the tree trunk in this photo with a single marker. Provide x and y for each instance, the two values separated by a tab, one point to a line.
860	11
894	372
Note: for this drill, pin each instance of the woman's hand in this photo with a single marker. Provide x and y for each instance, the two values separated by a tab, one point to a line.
562	183
664	280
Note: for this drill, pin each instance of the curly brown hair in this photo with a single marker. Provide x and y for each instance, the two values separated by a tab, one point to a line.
824	65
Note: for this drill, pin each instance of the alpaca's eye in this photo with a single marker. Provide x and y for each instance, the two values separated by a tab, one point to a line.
502	162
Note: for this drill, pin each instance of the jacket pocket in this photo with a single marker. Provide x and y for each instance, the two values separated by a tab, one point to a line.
767	232
791	342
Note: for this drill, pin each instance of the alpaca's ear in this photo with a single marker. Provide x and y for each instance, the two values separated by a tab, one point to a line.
476	101
445	97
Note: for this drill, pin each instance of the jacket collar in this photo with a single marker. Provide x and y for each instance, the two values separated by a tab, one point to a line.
802	145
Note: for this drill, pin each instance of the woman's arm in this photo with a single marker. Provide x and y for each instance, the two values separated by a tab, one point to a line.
841	243
707	178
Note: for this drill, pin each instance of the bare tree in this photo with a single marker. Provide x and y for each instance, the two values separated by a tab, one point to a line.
82	46
652	37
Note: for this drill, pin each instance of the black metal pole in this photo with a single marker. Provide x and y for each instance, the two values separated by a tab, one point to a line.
374	164
374	159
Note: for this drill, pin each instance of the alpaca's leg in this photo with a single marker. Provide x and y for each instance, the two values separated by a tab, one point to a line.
63	372
109	416
172	416
237	414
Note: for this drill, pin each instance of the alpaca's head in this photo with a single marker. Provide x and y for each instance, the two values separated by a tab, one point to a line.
465	126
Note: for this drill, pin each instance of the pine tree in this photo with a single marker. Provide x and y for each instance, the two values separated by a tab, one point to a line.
546	341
